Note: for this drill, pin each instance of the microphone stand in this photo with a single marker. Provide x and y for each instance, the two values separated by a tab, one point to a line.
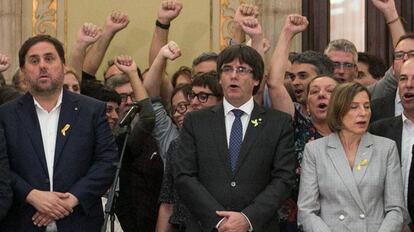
110	204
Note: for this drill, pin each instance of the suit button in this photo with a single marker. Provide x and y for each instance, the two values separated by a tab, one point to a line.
233	184
341	217
362	216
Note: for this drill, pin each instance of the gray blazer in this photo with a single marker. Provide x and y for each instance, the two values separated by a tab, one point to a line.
334	197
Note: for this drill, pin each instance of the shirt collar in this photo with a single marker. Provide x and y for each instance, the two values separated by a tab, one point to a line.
59	102
247	107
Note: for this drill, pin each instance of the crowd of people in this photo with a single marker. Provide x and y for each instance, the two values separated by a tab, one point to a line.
309	141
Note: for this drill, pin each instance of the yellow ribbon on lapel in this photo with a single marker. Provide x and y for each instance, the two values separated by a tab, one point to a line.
64	129
363	162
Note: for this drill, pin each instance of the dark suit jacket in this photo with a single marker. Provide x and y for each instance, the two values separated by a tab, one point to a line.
392	128
6	192
383	107
83	163
264	174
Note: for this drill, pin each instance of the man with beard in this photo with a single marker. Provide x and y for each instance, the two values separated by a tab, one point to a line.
60	147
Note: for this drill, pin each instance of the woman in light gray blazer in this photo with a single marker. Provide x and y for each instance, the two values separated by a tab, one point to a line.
351	180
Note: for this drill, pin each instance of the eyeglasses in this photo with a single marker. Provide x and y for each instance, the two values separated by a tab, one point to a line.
201	96
400	55
180	108
124	97
344	65
242	71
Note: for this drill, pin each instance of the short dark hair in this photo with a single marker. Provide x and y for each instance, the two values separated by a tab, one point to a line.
185	89
205	56
209	80
183	70
246	55
340	103
323	65
37	39
409	35
98	91
376	66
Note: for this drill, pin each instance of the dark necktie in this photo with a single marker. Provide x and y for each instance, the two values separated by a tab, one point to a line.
236	138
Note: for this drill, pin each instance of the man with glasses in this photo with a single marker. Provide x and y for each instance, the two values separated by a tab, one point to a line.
344	56
206	91
390	104
235	162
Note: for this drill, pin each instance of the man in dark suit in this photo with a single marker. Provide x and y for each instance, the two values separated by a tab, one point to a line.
6	192
401	130
235	164
60	148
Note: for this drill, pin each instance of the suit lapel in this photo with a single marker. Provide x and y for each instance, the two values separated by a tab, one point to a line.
68	115
341	164
26	112
219	137
252	132
363	158
396	132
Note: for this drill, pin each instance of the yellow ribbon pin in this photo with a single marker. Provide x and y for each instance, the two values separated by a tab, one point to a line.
363	162
64	129
256	122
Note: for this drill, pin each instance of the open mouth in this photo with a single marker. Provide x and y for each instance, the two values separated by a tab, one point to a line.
322	106
298	91
408	96
362	123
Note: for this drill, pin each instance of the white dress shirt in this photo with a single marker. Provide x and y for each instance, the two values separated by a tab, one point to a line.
48	126
407	141
229	117
398	109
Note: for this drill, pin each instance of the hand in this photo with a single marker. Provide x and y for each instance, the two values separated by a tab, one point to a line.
295	23
263	46
252	27
384	5
40	219
88	34
4	63
116	21
245	11
168	11
50	203
170	51
126	64
235	221
70	200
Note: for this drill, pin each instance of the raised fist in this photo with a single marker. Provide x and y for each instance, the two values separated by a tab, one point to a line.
252	27
245	11
125	63
116	21
88	34
295	23
168	11
4	63
171	51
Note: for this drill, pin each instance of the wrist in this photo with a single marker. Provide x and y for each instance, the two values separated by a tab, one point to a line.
164	20
390	15
162	25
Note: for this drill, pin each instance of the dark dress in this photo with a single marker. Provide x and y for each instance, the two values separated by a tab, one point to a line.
304	132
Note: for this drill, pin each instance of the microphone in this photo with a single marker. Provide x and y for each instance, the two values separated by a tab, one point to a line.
126	120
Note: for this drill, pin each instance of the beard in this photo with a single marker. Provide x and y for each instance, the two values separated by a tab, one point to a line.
39	89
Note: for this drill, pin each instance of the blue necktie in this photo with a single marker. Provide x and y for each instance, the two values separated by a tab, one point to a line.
236	138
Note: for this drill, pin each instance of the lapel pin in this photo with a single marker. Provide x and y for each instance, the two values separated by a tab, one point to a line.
64	129
256	122
76	108
363	162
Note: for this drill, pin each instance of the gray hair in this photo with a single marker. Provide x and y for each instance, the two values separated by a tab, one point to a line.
344	46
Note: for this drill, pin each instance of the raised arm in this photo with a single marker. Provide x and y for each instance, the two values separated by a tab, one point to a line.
278	64
154	77
115	22
87	35
168	11
388	9
4	63
243	12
